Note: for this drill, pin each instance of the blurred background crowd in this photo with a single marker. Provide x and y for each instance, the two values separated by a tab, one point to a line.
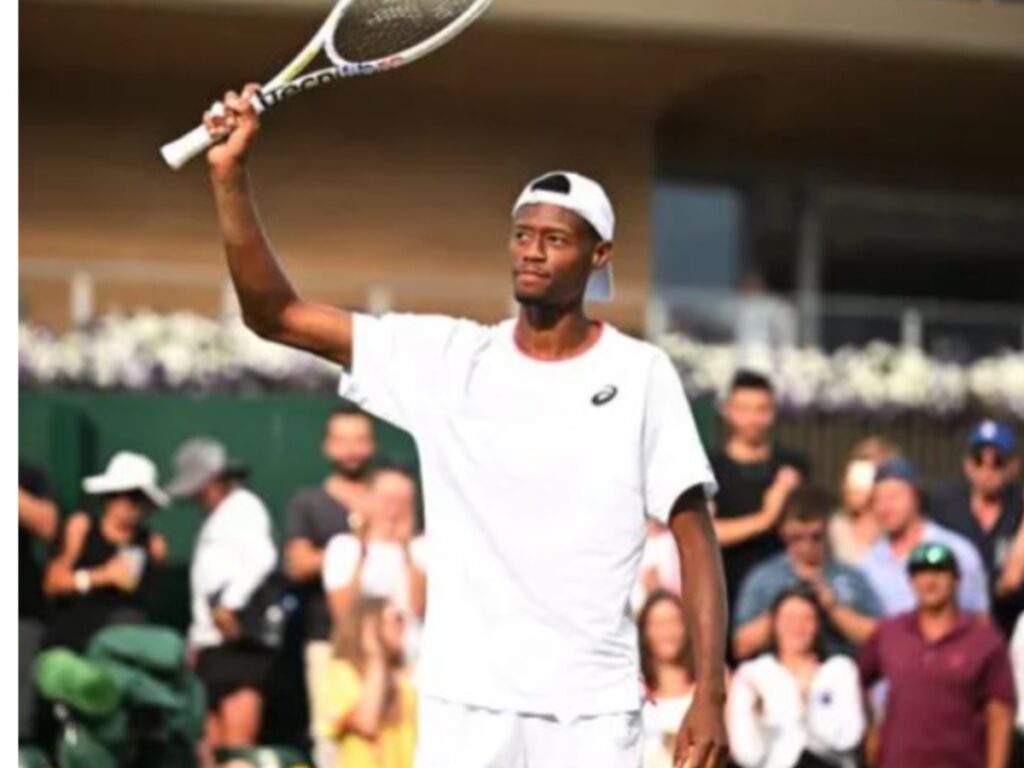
835	584
820	220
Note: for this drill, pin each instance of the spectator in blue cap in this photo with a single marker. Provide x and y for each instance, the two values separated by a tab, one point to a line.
985	505
897	503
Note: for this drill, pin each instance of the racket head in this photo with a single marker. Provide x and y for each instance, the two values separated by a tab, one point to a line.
372	33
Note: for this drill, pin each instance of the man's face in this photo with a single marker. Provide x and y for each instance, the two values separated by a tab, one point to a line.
988	471
553	253
348	444
750	414
934	589
894	503
805	542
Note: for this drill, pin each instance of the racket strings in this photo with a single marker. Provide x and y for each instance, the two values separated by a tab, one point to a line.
376	29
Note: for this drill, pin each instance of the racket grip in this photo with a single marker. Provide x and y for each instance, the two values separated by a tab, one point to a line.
178	152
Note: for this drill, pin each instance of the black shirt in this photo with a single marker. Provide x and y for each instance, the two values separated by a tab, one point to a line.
741	489
316	516
950	506
76	618
31	603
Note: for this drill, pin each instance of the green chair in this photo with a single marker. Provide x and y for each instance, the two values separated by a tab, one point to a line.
130	702
30	757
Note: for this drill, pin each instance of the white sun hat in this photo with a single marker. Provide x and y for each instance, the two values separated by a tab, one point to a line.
128	471
587	199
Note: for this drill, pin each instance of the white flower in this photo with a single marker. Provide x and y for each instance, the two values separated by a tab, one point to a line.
193	351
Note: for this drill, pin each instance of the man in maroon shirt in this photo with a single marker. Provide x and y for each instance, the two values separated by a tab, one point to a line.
951	699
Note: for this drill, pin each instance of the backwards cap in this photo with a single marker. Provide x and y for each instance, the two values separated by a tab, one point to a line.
587	199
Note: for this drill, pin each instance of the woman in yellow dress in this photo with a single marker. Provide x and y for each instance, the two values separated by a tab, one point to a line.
370	707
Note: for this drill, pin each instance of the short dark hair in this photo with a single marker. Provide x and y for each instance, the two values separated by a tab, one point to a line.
348	411
808	503
746	379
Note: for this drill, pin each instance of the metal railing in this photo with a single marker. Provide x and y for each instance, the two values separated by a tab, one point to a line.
953	330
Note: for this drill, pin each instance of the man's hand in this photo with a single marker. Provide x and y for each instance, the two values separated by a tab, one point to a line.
702	741
826	596
786	479
238	121
226	621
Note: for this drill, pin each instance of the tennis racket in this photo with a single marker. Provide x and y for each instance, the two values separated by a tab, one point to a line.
359	37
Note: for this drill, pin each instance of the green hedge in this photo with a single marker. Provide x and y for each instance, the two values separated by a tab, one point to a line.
74	433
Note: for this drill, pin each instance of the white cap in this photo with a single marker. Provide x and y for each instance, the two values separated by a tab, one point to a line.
587	199
128	472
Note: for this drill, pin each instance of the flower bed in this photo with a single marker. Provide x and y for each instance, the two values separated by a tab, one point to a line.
148	351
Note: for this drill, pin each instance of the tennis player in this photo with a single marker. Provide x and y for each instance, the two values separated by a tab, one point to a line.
543	441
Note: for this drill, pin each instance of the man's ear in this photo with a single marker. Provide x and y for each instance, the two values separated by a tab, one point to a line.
968	466
1014	466
602	254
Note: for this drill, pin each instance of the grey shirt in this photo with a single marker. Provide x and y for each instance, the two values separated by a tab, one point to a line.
315	515
776	575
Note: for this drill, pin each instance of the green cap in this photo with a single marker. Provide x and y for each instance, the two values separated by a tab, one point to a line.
932	557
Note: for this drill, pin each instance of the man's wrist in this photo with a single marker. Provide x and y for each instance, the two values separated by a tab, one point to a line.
711	692
230	175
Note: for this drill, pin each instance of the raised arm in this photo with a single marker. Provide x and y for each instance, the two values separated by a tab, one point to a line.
702	740
270	305
736	530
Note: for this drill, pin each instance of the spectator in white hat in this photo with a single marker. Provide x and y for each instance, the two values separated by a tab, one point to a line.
233	557
104	569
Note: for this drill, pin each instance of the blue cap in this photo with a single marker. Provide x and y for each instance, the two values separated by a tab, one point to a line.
898	469
993	433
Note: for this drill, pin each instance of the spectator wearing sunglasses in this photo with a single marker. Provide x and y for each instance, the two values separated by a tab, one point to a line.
985	505
104	568
846	600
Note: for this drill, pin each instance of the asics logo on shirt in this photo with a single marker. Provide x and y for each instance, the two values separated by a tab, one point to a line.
605	395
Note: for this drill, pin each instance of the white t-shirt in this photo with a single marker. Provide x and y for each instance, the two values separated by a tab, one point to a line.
536	478
383	575
234	553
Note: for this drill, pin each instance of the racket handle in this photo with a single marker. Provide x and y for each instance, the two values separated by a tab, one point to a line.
178	152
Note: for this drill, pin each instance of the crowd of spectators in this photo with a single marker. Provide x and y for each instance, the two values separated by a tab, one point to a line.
870	626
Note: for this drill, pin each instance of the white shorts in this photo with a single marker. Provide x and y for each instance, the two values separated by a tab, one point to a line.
453	735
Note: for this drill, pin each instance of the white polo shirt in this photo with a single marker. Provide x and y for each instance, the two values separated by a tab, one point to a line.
234	553
536	478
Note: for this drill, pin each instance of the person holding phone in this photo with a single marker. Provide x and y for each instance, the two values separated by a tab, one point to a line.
105	567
